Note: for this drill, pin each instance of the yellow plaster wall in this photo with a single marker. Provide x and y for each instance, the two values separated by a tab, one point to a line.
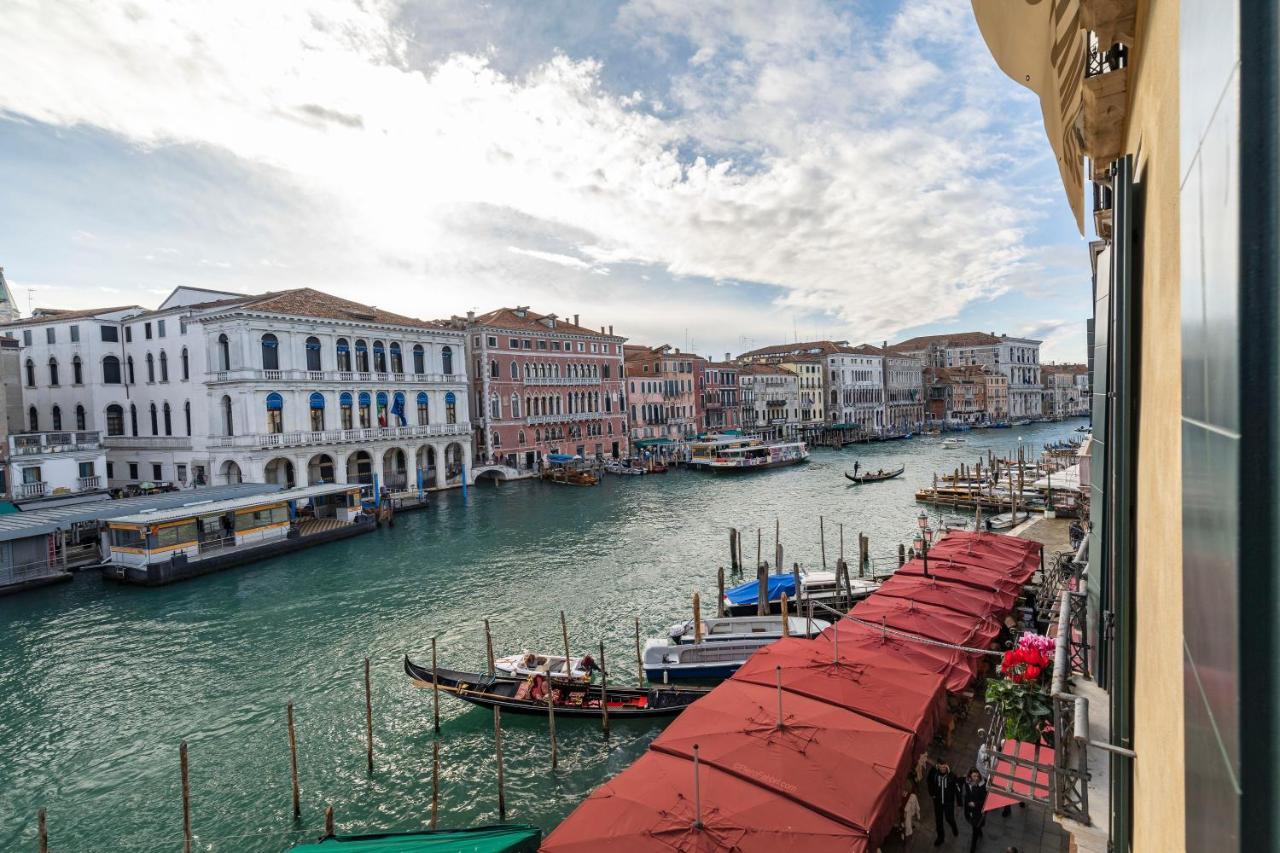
1152	134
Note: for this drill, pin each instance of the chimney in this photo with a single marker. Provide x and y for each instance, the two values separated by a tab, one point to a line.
611	331
726	357
602	330
575	319
471	316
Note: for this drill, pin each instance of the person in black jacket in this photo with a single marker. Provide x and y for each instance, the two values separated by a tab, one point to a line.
973	794
944	790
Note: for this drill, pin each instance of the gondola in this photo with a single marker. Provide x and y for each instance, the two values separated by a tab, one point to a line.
876	476
579	700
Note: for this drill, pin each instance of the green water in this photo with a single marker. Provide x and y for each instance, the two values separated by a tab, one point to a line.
99	684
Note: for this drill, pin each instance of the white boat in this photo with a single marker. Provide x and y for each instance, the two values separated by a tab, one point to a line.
1006	520
825	587
730	628
613	466
665	661
530	663
736	453
952	443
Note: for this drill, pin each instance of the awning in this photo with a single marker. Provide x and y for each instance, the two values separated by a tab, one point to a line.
837	762
651	442
928	620
876	684
1041	46
979	577
650	809
941	593
957	669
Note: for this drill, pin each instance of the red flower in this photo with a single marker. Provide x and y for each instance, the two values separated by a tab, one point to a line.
1033	672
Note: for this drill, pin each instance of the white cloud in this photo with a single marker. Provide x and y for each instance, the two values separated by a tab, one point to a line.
799	153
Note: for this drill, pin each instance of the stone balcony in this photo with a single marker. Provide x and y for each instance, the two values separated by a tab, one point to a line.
264	441
147	442
38	443
345	377
562	380
535	420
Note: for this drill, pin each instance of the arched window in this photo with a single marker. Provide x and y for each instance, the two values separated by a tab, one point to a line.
344	410
379	357
80	420
224	354
57	417
53	372
133	419
494	370
419	359
424	416
515	407
228	418
497	439
186	411
446	360
151	368
313	353
381	400
537	436
495	407
397	409
343	350
275	413
33	419
115	419
31	373
77	371
316	402
129	364
515	372
186	365
397	358
168	420
164	367
270	352
450	405
521	438
365	400
155	420
362	356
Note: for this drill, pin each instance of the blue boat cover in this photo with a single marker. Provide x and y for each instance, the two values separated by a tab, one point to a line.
561	457
748	593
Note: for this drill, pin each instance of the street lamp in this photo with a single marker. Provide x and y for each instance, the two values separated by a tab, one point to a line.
924	538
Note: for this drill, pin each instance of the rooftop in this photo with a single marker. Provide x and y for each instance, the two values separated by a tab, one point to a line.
521	318
192	509
811	348
309	302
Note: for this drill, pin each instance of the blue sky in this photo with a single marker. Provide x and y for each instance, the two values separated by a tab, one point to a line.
723	174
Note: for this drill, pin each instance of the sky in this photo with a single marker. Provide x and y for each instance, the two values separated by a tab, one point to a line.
714	175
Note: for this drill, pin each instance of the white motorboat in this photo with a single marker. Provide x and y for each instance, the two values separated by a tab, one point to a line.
733	628
953	443
1006	520
718	659
530	663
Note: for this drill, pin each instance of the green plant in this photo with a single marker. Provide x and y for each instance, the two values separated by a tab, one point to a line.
1026	711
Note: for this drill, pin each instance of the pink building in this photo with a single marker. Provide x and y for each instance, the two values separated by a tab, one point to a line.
543	385
663	389
721	402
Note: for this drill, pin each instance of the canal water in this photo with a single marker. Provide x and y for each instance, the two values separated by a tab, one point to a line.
99	684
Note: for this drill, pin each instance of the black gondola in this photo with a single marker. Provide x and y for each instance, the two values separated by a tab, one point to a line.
578	700
876	476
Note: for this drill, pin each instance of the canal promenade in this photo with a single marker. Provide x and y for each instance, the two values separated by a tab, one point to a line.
100	684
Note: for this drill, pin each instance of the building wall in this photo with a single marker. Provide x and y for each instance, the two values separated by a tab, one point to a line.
1153	129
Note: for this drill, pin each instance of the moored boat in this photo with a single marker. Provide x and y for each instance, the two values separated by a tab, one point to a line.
705	661
523	696
1006	520
530	663
952	443
821	587
729	628
876	476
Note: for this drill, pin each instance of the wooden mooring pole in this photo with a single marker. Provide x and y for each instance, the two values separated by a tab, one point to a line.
435	781
822	540
328	822
435	688
497	750
551	723
720	589
902	555
488	644
293	765
186	798
864	555
759	539
368	717
42	832
762	591
639	659
786	618
604	688
564	632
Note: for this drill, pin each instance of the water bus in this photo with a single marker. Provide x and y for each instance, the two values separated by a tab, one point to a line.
742	453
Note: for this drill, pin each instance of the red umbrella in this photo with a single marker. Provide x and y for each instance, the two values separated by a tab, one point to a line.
874	682
982	577
927	620
651	807
837	762
952	596
957	669
1017	558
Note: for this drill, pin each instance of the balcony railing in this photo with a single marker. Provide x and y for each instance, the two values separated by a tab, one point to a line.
147	442
576	416
337	436
33	490
562	380
87	484
343	376
34	444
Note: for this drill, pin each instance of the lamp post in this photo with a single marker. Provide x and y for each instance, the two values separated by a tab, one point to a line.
924	538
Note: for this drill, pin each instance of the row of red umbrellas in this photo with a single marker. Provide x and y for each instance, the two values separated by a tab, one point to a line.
808	746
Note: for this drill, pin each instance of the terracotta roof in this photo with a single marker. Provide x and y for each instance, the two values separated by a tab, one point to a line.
867	349
56	315
308	302
802	347
1072	369
955	339
764	369
522	319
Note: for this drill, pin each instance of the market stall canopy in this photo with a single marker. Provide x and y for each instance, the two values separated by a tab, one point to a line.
952	596
928	620
875	683
650	809
956	668
978	576
836	762
1042	46
1017	561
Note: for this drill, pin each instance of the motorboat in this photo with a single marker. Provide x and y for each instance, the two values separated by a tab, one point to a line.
708	660
1007	520
730	628
816	585
952	443
531	663
738	453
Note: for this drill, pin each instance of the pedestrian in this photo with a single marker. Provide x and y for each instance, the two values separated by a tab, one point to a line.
944	791
910	811
974	793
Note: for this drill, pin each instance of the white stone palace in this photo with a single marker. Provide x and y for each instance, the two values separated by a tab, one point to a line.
294	387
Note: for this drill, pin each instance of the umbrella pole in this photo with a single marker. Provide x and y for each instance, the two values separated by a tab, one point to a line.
777	671
697	792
